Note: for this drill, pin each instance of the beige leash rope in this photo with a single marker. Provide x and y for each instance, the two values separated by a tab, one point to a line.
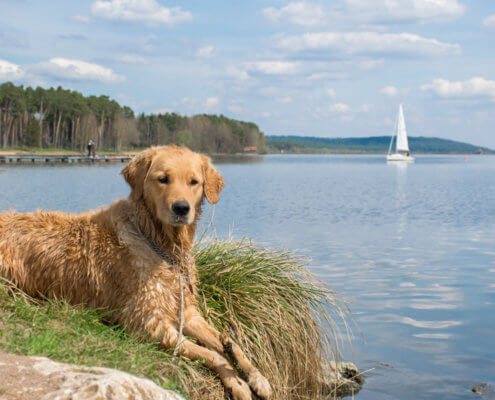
180	338
164	256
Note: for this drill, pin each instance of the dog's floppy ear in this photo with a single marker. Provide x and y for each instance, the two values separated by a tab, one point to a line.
213	181
135	172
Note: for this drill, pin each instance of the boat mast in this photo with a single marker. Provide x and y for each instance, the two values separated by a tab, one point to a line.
393	134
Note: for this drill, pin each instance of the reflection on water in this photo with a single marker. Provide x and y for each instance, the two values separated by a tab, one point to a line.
410	321
412	246
237	158
400	195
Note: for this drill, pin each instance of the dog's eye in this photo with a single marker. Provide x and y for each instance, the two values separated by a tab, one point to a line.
193	182
163	179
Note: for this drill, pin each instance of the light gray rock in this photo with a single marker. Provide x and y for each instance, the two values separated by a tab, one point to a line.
30	378
341	380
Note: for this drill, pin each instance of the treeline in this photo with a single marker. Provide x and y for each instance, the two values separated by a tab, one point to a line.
62	118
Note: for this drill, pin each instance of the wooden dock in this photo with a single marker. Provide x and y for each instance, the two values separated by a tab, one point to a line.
61	159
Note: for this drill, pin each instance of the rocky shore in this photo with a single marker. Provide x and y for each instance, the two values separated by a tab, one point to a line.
39	378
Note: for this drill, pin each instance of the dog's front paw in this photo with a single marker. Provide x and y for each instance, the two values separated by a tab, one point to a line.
260	385
237	389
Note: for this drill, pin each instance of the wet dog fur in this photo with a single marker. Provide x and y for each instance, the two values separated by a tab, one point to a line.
108	259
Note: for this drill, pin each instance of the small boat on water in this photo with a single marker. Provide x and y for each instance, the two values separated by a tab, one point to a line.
402	152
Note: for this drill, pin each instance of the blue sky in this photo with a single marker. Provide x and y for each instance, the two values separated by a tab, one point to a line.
314	68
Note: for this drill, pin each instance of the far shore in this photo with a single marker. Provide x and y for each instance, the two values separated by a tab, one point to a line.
133	152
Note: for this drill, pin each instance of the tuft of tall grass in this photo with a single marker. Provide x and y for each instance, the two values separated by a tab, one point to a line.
278	313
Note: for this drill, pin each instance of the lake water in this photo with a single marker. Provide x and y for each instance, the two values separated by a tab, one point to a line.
412	247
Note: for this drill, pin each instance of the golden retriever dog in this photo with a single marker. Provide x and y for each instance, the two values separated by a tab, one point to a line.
133	260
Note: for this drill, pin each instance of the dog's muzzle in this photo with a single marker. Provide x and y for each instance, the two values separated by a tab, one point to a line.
181	208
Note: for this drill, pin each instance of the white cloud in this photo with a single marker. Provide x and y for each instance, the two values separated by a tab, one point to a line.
236	73
274	67
371	64
489	22
147	11
471	89
131	59
59	68
206	52
406	10
364	108
390	91
339	108
393	91
331	93
312	15
81	18
346	118
285	99
327	76
211	102
78	70
10	72
298	13
367	43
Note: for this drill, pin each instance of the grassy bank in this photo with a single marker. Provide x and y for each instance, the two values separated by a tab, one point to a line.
265	300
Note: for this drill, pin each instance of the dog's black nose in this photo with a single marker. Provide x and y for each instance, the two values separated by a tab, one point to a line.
181	208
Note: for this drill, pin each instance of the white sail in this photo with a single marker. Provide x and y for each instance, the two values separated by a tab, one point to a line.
402	143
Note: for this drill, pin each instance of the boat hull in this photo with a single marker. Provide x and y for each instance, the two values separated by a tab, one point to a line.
399	158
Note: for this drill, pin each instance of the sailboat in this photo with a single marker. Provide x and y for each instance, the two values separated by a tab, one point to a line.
402	152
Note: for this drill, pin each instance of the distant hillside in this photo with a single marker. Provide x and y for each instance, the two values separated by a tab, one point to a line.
376	144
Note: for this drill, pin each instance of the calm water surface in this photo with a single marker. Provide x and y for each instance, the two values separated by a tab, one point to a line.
412	247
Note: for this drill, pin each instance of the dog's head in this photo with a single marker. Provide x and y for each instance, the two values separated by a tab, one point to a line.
173	181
